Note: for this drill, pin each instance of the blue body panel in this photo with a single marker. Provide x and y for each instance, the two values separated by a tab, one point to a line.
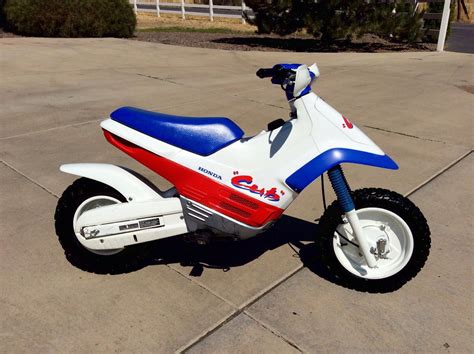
300	179
202	136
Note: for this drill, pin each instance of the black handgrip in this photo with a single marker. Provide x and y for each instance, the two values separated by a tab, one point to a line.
262	73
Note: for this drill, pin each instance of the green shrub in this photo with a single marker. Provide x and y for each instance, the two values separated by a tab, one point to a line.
70	18
399	21
2	16
331	20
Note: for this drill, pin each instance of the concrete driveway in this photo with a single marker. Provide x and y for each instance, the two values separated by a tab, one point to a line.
263	295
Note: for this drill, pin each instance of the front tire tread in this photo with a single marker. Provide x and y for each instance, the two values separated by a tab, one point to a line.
389	200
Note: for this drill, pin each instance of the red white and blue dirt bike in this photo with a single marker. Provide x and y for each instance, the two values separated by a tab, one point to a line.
230	185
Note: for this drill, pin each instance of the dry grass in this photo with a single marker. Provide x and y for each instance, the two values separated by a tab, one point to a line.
148	20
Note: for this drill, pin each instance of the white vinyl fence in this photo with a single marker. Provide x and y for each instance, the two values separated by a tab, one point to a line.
183	8
442	17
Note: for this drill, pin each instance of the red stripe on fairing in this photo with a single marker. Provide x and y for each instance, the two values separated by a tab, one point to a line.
202	189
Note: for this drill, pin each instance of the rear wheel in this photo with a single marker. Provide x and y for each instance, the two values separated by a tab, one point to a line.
85	194
395	228
94	202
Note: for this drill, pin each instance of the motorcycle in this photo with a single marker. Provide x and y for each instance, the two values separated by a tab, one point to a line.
228	185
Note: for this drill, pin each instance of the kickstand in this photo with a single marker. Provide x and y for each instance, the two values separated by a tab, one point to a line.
197	270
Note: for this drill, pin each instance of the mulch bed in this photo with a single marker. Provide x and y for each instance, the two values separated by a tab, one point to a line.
250	41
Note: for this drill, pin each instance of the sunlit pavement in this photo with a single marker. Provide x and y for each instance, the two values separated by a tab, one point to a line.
257	296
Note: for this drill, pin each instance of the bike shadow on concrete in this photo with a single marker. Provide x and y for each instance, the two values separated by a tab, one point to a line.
298	234
218	253
225	254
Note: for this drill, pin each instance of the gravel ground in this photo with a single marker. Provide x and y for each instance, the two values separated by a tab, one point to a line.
252	41
4	34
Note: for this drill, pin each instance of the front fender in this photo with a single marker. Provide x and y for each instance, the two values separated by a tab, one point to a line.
131	185
301	178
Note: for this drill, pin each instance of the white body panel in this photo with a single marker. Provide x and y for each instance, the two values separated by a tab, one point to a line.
174	225
109	227
129	211
331	130
271	156
143	202
127	184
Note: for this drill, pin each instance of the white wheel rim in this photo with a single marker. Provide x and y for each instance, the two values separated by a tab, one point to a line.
377	224
89	204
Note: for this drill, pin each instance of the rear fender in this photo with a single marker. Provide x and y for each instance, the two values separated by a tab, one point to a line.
131	185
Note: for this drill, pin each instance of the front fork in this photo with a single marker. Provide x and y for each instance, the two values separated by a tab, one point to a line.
342	190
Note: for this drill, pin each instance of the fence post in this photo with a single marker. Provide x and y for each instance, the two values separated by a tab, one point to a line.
135	8
182	10
444	26
211	11
243	10
158	8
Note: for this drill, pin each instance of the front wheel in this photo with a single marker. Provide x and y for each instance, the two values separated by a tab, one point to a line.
395	228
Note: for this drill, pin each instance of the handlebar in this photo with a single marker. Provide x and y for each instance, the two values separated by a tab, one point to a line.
285	75
278	73
262	73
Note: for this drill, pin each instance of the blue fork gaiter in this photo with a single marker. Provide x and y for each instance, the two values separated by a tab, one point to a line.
341	188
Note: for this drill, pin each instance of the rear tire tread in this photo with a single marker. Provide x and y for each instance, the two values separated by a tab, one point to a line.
130	259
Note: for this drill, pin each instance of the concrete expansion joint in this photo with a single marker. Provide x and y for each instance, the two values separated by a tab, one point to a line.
208	332
403	134
160	79
202	286
439	173
271	287
262	103
239	310
51	129
28	178
274	332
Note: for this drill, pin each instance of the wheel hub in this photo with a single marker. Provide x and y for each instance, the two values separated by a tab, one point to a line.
92	203
382	248
388	235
